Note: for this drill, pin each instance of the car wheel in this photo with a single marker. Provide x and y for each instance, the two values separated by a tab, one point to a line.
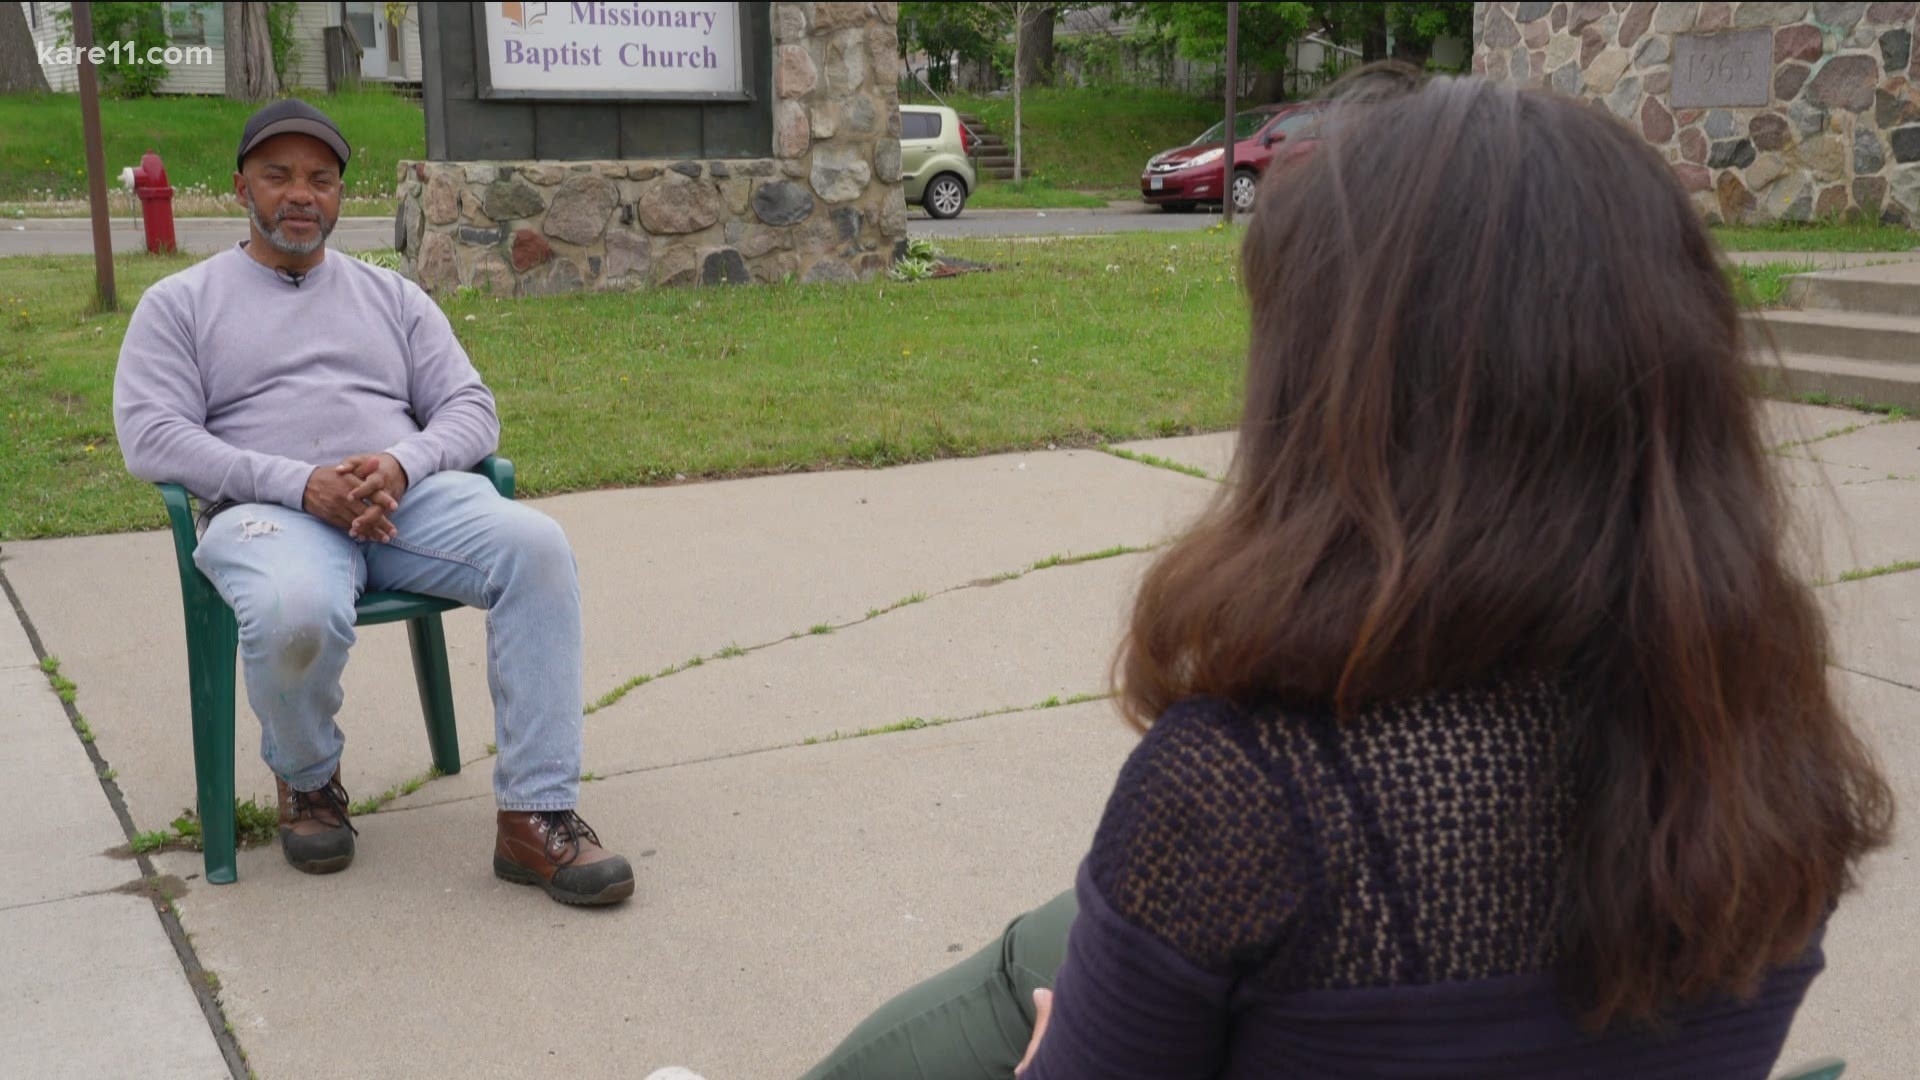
945	196
1245	185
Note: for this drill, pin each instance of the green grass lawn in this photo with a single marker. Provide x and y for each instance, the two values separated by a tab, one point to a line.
1041	194
1789	236
1069	342
40	141
1093	139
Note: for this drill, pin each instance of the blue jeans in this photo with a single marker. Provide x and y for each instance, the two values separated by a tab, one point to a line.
292	581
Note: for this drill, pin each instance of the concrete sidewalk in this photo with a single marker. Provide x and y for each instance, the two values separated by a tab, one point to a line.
1828	260
796	868
87	951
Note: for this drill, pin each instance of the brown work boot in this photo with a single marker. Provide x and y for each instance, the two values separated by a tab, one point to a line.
314	831
557	851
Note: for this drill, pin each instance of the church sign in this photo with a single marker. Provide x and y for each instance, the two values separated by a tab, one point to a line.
598	51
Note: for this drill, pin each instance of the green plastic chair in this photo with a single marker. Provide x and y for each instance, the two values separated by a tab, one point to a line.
213	641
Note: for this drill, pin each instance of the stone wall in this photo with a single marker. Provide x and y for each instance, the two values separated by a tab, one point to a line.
825	203
1838	137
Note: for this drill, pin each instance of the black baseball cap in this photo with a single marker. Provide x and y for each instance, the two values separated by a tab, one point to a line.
291	116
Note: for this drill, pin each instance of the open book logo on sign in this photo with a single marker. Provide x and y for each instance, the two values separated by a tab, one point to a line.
524	16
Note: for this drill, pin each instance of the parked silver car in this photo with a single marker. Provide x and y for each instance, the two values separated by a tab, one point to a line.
936	159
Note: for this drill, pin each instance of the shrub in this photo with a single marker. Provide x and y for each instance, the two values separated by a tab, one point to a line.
142	24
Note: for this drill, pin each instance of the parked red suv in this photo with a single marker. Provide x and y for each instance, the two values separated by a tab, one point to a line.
1184	178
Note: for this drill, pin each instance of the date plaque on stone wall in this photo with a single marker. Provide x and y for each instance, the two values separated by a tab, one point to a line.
1730	69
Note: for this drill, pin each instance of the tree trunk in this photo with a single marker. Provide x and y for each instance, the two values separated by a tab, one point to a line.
1417	55
1267	85
1373	45
1034	44
19	61
1019	17
250	74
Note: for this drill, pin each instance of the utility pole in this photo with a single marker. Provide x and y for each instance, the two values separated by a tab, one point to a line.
1233	87
96	158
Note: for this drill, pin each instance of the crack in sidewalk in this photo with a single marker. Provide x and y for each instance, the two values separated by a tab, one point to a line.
1160	462
1878	678
916	723
381	803
735	650
1867	573
911	724
176	933
1781	448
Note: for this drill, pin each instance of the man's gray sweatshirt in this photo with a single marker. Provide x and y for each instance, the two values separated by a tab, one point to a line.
235	382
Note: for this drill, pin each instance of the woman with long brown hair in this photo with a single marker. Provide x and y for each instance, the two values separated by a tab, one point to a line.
1487	732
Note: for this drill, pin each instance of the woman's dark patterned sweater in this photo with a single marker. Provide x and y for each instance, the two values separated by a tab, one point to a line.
1277	894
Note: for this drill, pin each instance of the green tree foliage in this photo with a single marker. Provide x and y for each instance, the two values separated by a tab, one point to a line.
282	26
1266	29
1353	24
142	24
1419	24
943	31
996	19
1413	26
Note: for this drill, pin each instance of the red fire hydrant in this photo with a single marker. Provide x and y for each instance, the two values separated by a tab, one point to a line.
156	202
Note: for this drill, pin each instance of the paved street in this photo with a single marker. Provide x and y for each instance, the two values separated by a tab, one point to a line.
74	236
204	236
974	223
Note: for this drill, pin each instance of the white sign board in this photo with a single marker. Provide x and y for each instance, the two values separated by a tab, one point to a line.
612	50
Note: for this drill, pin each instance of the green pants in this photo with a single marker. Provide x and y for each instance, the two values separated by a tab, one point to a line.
970	1022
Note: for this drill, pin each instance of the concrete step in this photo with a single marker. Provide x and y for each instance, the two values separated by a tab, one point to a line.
995	174
1852	335
1865	382
1878	291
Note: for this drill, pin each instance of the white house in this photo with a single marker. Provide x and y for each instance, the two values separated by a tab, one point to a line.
389	46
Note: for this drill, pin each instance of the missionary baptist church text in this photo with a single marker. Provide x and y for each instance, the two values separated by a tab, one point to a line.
665	54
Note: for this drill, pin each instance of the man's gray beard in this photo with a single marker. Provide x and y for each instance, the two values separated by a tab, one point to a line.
278	238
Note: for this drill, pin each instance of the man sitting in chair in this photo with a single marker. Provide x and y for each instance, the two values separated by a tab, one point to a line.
327	418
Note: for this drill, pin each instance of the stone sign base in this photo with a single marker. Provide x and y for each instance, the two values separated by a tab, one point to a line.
1765	111
536	228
